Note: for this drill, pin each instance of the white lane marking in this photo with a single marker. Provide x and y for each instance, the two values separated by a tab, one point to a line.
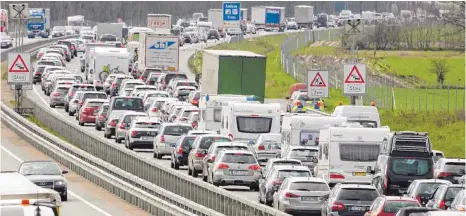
69	191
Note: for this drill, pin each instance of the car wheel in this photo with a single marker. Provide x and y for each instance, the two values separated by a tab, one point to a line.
268	203
176	165
66	108
259	198
117	140
215	184
97	127
190	172
64	198
130	147
254	188
34	82
159	156
52	106
195	173
70	113
171	164
204	178
154	155
81	123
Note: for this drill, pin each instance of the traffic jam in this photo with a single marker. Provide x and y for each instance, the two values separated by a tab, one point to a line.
346	163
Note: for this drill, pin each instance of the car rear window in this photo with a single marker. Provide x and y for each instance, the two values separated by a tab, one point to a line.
454	167
282	174
177	130
132	85
428	188
46	63
128	104
164	95
309	186
193	84
286	163
151	125
452	192
240	158
83	88
357	194
130	118
394	206
207	141
221	148
188	141
94	104
94	95
40	69
411	166
169	77
62	90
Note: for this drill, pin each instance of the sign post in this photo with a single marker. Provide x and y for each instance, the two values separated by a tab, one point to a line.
317	84
232	15
355	80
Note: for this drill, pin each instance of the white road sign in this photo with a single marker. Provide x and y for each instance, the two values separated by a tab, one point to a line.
317	84
19	69
164	52
161	24
354	26
19	11
355	79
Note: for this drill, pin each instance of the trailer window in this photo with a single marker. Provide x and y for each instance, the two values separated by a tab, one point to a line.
359	152
366	124
309	138
217	115
253	124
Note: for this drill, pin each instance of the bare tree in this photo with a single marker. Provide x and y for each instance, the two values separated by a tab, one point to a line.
440	68
456	15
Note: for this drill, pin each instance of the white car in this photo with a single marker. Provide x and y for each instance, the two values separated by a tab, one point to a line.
124	124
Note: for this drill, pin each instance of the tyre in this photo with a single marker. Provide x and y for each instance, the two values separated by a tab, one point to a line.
254	188
176	165
130	147
154	155
190	172
159	156
81	123
82	70
66	108
70	113
171	165
204	178
97	127
34	82
195	173
117	140
52	106
268	203
65	197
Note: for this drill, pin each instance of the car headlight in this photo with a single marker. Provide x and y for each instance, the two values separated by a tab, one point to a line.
59	183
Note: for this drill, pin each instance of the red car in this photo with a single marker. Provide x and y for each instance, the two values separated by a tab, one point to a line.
389	205
88	111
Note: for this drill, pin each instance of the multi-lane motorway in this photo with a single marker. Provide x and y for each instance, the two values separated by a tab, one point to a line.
26	41
84	197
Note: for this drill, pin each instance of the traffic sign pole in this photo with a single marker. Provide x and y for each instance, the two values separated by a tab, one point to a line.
354	27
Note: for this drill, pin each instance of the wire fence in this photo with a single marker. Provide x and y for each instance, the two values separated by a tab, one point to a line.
386	91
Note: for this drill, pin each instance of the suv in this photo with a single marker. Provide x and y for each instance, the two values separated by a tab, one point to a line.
168	77
199	150
404	157
349	199
450	169
125	103
147	71
168	134
422	190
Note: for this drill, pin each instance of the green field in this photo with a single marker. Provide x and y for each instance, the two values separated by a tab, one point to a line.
405	64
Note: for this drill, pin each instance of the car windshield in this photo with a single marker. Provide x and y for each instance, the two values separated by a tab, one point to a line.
128	104
106	38
454	167
87	37
40	168
171	76
394	206
411	166
253	124
83	88
207	141
239	158
46	63
309	186
357	194
282	174
428	188
153	95
40	69
452	192
286	163
151	125
176	130
221	148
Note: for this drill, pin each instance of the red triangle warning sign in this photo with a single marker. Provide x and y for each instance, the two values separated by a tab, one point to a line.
354	77
318	81
19	66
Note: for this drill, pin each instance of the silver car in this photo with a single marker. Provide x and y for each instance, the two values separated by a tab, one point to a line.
111	122
141	132
199	149
302	195
215	149
155	108
308	155
235	167
279	161
124	123
57	98
267	146
169	133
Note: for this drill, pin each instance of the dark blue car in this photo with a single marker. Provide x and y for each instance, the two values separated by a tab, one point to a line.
179	155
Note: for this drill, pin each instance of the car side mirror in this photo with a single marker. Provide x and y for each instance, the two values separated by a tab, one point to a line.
461	172
369	169
64	172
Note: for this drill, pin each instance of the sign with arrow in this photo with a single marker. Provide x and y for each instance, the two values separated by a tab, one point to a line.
355	79
317	84
19	69
19	11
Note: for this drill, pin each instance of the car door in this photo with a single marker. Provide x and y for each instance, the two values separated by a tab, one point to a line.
193	150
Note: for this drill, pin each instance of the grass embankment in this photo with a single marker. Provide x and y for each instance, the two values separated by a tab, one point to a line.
36	121
277	81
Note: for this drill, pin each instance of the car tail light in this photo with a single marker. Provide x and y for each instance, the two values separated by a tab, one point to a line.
155	110
336	206
162	138
193	124
254	167
199	155
142	77
133	133
261	147
212	158
291	195
101	117
56	94
418	198
81	103
72	94
183	119
113	85
113	123
223	166
441	205
299	104
37	72
444	174
231	136
336	176
180	150
122	125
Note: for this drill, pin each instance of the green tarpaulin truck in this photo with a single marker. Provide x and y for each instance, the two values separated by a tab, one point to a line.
233	72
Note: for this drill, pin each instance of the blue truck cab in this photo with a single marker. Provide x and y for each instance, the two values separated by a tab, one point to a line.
38	23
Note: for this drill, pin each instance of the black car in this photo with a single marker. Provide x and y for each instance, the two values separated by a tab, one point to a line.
422	189
101	117
179	155
213	34
38	73
349	199
443	196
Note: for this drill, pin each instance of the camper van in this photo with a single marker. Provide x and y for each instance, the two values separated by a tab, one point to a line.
211	109
367	116
244	121
304	129
346	153
104	61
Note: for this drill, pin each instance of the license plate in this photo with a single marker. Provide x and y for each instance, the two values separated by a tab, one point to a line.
359	174
235	172
358	208
308	198
146	138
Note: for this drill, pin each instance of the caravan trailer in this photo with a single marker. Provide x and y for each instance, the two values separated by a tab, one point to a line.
345	153
368	116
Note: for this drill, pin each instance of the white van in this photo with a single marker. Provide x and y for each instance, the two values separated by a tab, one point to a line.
345	153
113	60
210	107
304	129
246	121
367	116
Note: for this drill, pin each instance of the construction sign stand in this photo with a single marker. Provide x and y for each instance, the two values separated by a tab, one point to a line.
317	81
20	77
355	79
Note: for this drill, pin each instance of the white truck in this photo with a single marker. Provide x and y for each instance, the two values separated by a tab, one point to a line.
268	18
244	14
84	59
304	16
158	51
216	18
109	28
160	23
104	61
76	22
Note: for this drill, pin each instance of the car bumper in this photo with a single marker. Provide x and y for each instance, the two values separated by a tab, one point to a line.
305	208
182	161
164	149
236	180
110	131
100	123
198	163
87	118
120	134
141	144
37	78
57	101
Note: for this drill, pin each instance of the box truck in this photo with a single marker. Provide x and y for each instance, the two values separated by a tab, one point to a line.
160	23
104	61
233	72
109	28
304	16
158	51
76	22
268	18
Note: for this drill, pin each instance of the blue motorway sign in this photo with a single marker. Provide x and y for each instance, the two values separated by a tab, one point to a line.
231	11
